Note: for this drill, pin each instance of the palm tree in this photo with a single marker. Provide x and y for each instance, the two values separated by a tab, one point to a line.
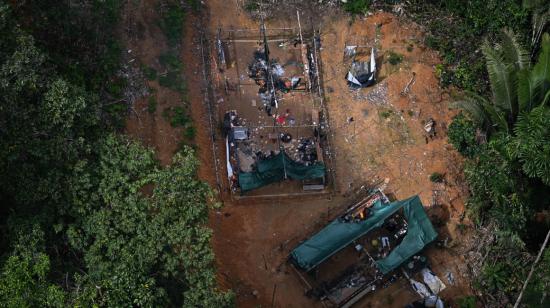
515	86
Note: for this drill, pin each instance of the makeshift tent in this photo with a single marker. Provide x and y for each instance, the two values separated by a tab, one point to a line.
275	168
362	74
420	232
339	234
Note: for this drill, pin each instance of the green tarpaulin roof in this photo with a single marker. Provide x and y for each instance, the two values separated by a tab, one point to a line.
339	234
273	170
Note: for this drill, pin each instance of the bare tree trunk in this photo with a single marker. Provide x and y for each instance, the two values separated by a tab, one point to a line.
532	270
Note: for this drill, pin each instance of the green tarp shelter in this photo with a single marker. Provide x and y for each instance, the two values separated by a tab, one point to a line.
273	170
339	234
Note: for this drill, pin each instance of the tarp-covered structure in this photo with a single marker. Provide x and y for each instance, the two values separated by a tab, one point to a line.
339	234
362	74
277	168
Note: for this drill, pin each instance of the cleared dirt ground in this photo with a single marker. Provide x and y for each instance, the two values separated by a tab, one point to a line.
384	144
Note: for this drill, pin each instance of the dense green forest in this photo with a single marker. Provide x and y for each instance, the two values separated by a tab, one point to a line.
88	217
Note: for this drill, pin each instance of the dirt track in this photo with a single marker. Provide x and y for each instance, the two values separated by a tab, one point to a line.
385	143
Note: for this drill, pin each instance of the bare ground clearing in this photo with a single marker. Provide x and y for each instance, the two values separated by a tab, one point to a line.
384	143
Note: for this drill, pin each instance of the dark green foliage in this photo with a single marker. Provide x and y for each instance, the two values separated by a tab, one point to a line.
79	40
149	72
179	117
88	218
437	177
357	6
24	277
172	79
172	18
195	5
152	104
138	237
394	58
467	302
532	144
190	132
535	294
457	30
251	5
170	61
462	135
509	177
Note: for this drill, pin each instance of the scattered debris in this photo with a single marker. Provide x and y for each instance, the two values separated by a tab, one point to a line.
378	95
407	88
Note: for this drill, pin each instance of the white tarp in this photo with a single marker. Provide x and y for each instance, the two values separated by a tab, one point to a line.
420	288
229	168
432	281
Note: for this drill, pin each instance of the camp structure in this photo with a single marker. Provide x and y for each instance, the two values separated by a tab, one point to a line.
250	166
375	236
361	74
274	117
278	168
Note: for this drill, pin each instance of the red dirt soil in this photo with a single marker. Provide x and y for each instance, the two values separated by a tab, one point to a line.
252	238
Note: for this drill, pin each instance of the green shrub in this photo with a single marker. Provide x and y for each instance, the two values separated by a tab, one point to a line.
179	117
170	61
173	81
462	135
357	6
152	104
467	302
190	132
171	23
195	5
394	58
385	113
436	177
251	5
149	72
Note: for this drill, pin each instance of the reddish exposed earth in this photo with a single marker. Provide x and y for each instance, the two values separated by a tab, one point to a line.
385	143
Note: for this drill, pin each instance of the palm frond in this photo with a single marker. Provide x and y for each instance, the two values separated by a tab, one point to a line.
482	112
528	90
538	21
546	99
541	69
513	51
503	81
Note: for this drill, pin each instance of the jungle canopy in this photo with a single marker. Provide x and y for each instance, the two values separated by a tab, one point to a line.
339	234
273	169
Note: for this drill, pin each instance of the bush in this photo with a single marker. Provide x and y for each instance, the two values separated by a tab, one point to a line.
171	23
149	72
152	104
190	132
195	5
357	6
467	302
170	61
394	58
173	78
386	113
436	177
251	6
462	135
179	117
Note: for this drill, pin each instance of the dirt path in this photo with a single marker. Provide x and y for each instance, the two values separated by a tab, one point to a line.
384	143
